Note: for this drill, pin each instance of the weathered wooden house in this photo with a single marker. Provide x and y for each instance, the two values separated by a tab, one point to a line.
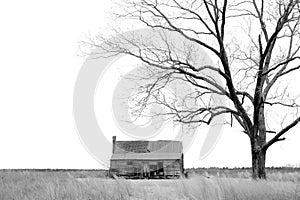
147	159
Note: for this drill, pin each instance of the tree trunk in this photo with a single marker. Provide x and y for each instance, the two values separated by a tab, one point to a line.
258	164
258	139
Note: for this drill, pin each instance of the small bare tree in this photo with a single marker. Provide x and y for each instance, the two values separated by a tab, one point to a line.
255	47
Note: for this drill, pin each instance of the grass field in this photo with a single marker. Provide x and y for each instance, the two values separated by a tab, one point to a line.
90	185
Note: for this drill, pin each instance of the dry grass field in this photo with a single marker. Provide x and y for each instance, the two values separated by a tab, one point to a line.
59	185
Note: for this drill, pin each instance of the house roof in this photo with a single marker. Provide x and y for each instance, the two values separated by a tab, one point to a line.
160	146
146	156
147	150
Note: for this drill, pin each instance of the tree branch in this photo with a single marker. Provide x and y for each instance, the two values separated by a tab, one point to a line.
277	138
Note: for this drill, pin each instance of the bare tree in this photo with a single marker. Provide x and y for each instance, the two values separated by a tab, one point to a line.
255	47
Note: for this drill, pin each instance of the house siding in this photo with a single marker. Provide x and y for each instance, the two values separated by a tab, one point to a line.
147	168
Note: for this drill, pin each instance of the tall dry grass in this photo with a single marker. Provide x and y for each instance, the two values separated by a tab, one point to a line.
26	185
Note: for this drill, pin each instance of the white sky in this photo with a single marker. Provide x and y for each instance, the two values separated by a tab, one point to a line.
38	68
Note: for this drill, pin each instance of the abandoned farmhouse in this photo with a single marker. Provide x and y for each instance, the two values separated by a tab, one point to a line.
147	159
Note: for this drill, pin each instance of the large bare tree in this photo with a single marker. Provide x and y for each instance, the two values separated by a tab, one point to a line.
255	48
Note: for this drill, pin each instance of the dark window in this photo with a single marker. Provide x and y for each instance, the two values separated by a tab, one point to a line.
160	167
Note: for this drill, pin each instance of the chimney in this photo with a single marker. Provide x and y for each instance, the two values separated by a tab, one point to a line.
114	138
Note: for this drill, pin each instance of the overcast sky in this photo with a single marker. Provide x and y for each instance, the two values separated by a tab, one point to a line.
38	69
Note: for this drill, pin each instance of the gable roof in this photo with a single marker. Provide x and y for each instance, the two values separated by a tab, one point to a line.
147	150
160	146
146	156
